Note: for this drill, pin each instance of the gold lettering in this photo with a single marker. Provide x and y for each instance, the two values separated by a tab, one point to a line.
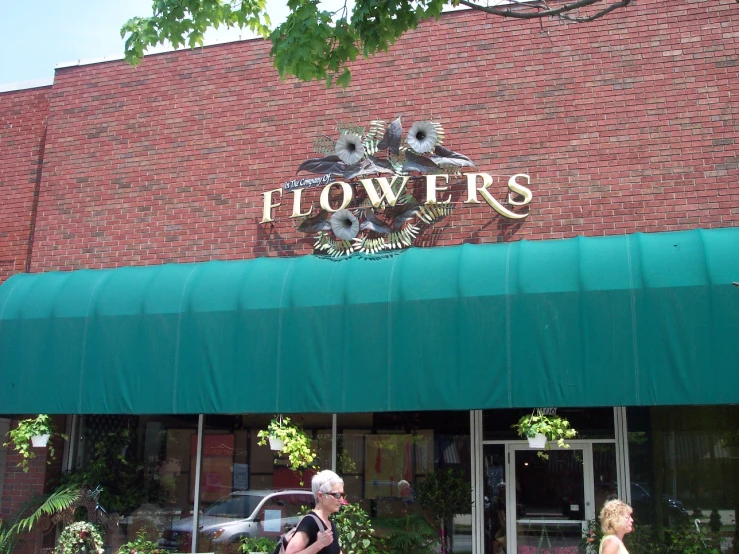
346	190
519	189
432	189
487	180
387	190
268	205
298	193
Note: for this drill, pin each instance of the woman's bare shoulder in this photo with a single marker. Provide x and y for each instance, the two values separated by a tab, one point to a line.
610	545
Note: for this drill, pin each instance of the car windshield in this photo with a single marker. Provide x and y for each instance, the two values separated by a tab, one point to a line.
238	506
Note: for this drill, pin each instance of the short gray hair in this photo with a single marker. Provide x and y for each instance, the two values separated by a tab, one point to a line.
324	481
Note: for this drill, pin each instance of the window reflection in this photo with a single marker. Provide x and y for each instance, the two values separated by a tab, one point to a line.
143	468
683	465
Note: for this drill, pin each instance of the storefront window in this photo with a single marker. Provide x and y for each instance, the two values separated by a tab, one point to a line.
684	465
248	490
385	458
145	470
142	468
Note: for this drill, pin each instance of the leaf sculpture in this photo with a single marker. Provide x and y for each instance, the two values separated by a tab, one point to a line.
368	166
391	138
431	213
326	165
371	223
402	213
414	162
444	156
317	223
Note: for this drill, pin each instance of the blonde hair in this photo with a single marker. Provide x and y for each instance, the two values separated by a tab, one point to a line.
613	516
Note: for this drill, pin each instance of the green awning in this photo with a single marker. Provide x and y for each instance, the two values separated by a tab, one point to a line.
643	319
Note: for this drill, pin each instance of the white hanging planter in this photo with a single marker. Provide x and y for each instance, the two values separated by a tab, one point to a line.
538	442
276	444
40	441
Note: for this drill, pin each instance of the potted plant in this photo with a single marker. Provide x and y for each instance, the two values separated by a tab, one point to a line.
257	544
443	494
140	545
539	428
32	432
296	444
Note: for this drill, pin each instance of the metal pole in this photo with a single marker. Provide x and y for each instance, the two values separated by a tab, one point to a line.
198	466
334	419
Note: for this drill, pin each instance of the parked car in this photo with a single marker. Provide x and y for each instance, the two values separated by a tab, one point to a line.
240	514
641	500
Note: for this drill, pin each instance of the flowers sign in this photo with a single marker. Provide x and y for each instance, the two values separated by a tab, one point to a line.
388	225
383	213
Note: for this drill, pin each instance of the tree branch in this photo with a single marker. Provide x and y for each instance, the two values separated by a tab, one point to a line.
538	10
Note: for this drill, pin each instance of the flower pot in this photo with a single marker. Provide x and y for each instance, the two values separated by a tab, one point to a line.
276	444
539	441
40	441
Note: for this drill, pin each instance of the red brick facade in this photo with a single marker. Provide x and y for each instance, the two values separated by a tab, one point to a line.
624	125
23	117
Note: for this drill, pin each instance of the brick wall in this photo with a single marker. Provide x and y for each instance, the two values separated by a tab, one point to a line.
22	132
20	487
624	125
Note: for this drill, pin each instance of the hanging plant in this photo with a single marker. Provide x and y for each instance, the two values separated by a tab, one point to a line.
538	425
76	536
33	432
297	445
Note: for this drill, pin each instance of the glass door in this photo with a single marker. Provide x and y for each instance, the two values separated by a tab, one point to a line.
494	468
553	499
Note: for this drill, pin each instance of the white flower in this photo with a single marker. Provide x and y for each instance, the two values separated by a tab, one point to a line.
344	225
422	136
349	148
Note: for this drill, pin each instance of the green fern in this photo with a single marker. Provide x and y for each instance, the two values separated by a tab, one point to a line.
58	501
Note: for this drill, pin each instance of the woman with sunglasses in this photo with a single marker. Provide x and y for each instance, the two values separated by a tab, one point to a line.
309	538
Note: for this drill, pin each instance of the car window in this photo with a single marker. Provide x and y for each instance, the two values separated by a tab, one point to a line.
283	511
235	506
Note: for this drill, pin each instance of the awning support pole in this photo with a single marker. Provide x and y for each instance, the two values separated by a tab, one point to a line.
198	466
334	419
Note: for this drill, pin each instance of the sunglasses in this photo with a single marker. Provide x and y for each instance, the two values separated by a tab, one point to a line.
336	495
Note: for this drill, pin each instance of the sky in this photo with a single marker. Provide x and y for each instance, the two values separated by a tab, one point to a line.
37	35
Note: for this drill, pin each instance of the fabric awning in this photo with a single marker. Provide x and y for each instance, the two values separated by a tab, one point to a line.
642	319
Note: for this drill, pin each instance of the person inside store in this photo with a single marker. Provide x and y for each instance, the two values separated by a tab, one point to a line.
309	538
405	491
499	542
615	522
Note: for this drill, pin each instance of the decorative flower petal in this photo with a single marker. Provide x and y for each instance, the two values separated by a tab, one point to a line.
349	148
344	225
422	136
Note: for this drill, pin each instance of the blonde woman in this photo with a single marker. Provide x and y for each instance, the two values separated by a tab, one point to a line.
615	522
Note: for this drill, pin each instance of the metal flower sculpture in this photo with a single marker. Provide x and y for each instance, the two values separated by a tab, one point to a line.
349	148
422	136
380	151
344	225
